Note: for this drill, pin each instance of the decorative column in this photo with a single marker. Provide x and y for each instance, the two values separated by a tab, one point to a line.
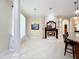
16	25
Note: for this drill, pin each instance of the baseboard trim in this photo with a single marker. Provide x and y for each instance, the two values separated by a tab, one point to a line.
6	52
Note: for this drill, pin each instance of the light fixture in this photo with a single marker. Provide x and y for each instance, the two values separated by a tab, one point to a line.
36	13
76	7
75	17
77	11
35	9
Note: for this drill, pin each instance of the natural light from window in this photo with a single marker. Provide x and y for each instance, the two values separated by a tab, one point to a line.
22	26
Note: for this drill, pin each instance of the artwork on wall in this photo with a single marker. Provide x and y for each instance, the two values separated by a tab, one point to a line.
35	26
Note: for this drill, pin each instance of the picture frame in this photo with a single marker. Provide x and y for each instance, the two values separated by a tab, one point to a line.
35	26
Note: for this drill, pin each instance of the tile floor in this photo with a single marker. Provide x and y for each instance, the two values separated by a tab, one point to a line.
50	48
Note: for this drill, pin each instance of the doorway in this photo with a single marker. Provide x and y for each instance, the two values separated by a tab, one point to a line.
65	26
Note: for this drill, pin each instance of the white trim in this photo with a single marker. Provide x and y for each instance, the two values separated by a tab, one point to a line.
2	54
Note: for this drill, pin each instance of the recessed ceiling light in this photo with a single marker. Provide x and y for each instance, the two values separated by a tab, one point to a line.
35	8
50	8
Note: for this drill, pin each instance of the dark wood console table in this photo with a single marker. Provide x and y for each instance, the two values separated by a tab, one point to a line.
53	29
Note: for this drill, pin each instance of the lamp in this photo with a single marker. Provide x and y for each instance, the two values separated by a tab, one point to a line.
77	9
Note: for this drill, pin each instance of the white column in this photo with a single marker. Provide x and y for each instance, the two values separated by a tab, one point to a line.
16	25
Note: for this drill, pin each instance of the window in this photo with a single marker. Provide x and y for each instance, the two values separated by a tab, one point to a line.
22	26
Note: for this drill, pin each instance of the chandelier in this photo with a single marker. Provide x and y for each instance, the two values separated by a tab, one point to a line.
76	7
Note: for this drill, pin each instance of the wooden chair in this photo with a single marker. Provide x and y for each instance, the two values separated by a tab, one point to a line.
71	43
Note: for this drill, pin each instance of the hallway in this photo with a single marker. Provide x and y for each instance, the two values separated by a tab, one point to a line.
50	48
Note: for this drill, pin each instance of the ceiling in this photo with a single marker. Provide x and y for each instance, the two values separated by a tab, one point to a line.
63	8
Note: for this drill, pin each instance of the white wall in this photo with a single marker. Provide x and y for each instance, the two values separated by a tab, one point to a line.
50	17
72	26
5	17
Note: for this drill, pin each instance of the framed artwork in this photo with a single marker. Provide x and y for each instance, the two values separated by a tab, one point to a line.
35	26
